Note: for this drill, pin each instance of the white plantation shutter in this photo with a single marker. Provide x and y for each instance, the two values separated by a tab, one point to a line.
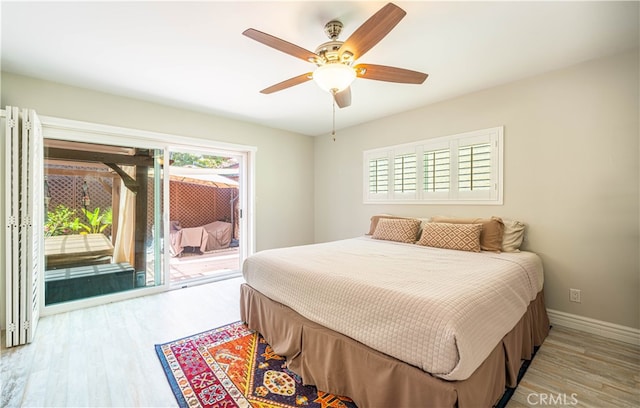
479	166
12	237
437	173
404	170
35	277
457	169
377	172
474	167
25	213
379	175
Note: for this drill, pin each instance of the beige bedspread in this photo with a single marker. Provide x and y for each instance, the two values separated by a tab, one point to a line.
441	310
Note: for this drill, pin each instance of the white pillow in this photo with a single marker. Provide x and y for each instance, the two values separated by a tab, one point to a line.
512	236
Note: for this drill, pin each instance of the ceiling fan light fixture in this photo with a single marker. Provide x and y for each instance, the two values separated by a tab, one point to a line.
335	59
334	78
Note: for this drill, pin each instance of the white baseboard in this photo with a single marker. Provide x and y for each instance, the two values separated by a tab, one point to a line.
593	326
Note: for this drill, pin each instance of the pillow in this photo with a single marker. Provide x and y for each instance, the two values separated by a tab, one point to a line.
376	218
513	235
399	230
463	237
492	230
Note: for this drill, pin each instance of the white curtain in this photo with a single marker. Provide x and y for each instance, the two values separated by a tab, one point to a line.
124	246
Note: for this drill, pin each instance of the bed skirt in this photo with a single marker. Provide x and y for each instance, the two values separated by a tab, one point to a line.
340	365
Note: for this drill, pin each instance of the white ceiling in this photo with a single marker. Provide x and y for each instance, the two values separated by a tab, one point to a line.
193	55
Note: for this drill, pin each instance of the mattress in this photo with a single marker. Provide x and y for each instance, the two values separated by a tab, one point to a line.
448	309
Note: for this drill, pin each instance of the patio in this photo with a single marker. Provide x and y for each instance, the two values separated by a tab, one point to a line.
199	198
211	264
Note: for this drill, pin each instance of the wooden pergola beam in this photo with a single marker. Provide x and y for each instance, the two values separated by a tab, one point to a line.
87	156
79	173
128	181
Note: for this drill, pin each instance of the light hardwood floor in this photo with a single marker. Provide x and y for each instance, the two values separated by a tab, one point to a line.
104	356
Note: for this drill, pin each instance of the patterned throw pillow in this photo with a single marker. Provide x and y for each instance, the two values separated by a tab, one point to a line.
376	218
399	230
492	230
463	237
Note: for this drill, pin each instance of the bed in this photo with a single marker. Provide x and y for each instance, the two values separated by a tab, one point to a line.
391	323
209	237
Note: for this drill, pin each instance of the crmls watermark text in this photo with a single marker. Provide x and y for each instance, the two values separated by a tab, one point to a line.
560	399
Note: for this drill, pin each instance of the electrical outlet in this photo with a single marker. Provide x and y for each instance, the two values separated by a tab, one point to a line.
574	295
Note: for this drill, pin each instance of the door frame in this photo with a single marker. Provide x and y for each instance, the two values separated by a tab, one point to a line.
242	204
76	131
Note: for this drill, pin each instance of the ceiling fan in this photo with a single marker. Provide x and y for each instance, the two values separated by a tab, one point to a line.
334	59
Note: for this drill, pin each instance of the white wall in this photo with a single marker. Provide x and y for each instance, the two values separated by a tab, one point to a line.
284	169
571	170
571	173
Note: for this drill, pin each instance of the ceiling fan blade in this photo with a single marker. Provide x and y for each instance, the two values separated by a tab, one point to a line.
343	98
373	30
389	74
297	80
280	45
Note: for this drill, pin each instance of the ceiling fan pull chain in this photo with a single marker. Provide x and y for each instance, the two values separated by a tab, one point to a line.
333	105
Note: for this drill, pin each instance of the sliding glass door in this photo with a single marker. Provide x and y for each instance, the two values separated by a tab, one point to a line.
205	216
103	219
109	197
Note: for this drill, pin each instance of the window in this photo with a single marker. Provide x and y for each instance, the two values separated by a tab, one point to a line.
474	167
404	169
378	175
436	170
458	169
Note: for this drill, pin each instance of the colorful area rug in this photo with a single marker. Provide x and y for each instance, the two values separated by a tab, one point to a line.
233	366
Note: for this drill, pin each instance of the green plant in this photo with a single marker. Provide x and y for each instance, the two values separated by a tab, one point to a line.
107	216
98	222
61	221
200	160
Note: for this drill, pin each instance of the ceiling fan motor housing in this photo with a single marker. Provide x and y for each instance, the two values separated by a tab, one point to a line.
329	51
329	54
333	29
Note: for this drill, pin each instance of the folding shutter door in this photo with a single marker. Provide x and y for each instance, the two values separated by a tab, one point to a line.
25	212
